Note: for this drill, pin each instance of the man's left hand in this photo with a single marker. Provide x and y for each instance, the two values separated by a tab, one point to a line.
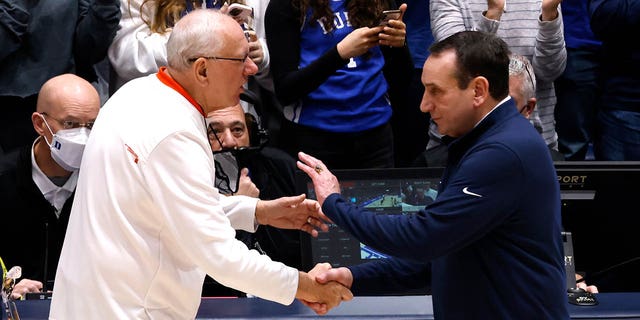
292	213
324	182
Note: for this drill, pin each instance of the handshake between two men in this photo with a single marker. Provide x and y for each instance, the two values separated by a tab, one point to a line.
323	287
335	281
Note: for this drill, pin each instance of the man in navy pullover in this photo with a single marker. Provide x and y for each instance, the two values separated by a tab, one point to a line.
490	245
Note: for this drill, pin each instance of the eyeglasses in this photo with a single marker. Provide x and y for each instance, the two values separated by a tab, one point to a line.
530	77
516	64
192	60
68	124
523	109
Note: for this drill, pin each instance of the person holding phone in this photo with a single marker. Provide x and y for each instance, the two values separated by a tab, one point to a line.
139	48
336	78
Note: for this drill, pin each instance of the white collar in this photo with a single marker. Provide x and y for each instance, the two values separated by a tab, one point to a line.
497	105
56	196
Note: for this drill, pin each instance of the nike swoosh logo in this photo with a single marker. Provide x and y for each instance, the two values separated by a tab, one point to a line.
465	190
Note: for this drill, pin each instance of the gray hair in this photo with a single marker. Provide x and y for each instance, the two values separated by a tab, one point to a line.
520	66
194	36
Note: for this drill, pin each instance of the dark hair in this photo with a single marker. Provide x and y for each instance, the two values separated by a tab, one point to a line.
479	54
362	13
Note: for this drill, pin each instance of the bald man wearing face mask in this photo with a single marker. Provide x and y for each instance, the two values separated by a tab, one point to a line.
38	181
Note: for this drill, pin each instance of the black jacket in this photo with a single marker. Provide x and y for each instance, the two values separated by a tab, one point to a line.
30	229
273	172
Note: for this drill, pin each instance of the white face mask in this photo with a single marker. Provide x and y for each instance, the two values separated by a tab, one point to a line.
67	146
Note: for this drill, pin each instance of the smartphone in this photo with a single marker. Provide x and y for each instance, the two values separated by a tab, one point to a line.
250	35
240	12
389	15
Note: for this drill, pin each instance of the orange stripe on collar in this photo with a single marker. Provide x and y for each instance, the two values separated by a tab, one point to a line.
165	78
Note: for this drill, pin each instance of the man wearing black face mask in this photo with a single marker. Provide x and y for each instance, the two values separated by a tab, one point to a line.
257	171
38	181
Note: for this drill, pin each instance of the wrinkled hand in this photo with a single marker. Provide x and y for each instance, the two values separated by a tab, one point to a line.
255	48
395	32
495	8
550	9
324	182
292	213
358	42
321	297
246	187
25	286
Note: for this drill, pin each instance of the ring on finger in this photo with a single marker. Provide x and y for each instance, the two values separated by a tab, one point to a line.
309	220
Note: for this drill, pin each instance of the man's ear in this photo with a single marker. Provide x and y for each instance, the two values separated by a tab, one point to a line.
528	109
480	90
200	69
38	123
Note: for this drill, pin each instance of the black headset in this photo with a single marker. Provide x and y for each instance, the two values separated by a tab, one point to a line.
258	137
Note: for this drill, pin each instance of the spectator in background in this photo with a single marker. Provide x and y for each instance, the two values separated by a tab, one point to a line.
482	235
578	89
531	28
522	88
235	135
139	48
617	23
327	61
410	125
140	242
38	181
43	39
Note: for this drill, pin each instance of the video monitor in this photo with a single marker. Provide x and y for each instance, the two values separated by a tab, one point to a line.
384	191
601	210
599	206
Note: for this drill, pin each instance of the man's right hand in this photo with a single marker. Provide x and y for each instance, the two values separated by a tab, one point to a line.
342	275
321	297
